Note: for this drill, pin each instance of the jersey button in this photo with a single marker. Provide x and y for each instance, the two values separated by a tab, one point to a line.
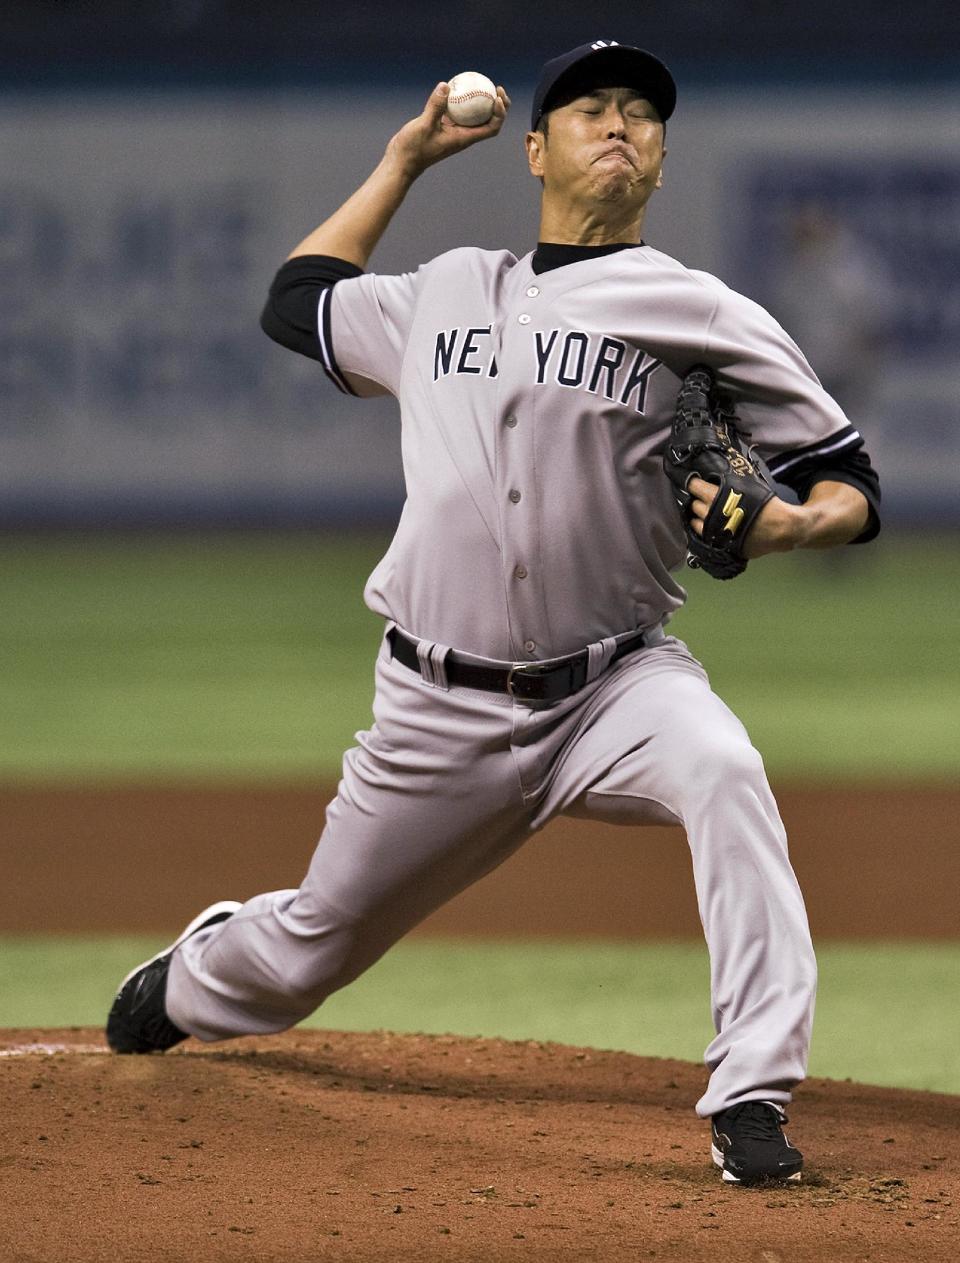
511	422
523	319
515	496
533	291
520	572
529	645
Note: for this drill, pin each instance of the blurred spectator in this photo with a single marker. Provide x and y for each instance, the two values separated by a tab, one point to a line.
834	298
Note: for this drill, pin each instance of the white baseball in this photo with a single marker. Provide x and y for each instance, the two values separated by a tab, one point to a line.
472	98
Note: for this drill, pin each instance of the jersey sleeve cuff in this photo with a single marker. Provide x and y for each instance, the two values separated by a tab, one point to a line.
327	357
841	457
787	465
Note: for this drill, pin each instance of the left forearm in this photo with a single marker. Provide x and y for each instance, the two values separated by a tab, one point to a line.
834	513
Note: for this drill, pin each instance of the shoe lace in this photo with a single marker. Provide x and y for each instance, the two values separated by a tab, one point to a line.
757	1121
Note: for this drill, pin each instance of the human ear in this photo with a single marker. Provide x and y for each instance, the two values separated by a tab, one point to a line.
535	144
659	183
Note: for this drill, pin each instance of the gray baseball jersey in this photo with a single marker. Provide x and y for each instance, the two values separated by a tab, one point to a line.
538	522
535	411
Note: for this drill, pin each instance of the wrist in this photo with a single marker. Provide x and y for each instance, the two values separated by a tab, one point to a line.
400	168
780	528
789	527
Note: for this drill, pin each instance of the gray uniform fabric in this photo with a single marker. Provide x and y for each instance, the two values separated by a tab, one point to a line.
535	412
538	522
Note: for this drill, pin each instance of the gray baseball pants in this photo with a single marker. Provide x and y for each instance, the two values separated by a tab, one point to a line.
448	783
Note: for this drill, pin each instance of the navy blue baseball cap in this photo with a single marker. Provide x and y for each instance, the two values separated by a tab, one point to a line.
619	65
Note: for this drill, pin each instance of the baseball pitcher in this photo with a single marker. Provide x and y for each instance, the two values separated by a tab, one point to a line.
575	424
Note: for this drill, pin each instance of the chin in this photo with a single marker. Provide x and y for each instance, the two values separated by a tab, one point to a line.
614	187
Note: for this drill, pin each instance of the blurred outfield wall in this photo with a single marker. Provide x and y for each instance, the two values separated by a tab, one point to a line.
139	233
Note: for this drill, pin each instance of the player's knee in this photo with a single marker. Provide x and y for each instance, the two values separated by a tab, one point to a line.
722	766
740	761
807	974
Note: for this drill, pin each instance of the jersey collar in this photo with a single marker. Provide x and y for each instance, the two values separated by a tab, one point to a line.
548	255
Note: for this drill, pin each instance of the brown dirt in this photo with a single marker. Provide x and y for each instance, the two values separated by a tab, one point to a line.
377	1146
874	862
356	1147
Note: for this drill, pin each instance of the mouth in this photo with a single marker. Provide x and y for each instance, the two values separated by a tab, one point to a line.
618	155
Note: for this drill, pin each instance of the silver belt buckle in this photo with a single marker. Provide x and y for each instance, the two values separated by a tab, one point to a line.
532	671
515	668
539	674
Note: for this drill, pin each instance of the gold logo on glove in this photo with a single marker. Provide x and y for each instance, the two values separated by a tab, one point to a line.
732	512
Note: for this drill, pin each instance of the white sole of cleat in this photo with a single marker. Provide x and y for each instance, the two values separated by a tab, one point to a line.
729	1178
216	912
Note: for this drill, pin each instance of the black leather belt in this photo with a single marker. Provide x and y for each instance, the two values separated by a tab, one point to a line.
528	681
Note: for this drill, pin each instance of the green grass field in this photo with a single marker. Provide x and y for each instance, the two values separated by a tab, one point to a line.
885	1014
250	656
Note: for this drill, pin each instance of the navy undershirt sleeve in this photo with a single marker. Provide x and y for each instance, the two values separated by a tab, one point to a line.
290	313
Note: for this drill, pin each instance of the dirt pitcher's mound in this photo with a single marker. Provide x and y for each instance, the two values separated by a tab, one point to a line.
321	1145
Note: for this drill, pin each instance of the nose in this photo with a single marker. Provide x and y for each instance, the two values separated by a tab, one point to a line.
617	127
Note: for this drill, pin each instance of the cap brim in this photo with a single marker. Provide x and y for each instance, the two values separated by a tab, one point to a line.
617	66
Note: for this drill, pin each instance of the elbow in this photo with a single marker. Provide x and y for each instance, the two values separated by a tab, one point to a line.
286	334
270	322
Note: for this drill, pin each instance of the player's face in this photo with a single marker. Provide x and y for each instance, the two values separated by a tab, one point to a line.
603	146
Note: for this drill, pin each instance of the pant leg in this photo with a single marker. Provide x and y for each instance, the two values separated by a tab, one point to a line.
429	802
656	743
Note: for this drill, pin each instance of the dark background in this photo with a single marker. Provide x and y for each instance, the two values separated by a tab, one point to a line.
77	41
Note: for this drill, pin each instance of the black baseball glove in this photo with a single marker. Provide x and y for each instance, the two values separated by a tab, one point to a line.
705	443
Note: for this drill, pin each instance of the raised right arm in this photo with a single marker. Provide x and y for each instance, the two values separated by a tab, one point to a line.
352	232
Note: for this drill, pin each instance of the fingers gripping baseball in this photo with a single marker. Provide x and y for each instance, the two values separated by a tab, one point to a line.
433	135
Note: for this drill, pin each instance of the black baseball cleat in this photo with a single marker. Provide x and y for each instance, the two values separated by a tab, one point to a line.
138	1022
750	1147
